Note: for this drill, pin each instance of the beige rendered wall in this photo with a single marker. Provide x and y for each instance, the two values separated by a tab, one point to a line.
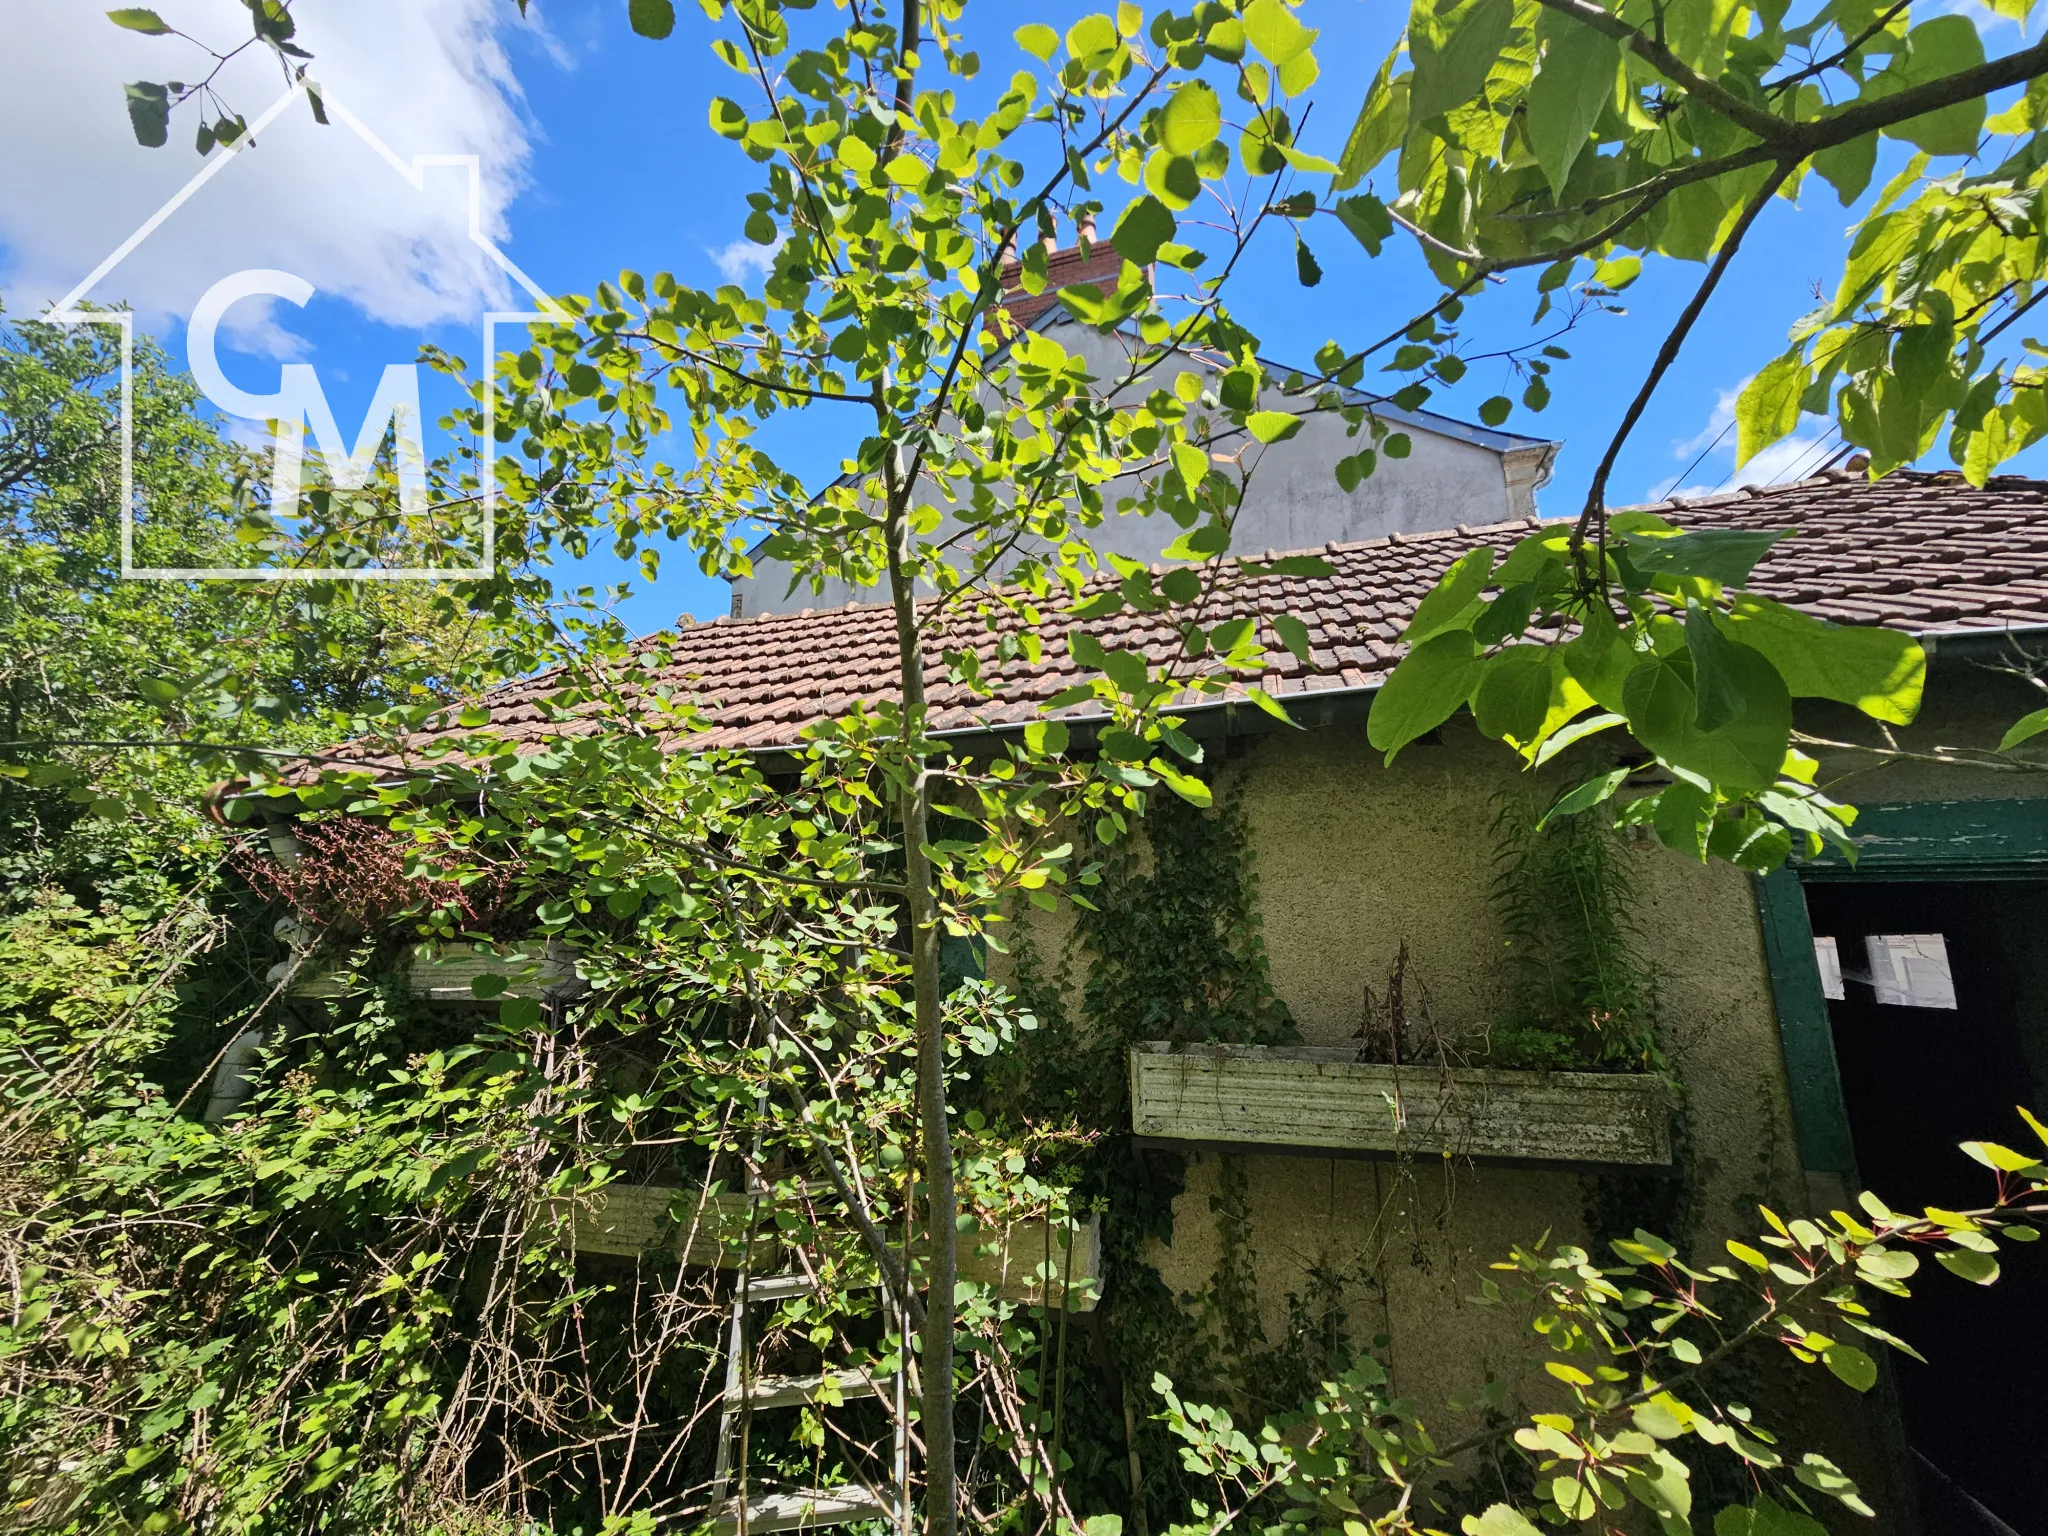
1352	859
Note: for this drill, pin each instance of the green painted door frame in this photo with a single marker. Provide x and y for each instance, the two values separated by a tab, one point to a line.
1919	840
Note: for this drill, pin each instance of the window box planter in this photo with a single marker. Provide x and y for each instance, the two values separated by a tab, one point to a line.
445	973
1322	1098
627	1221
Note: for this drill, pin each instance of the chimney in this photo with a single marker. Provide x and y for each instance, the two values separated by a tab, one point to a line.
1090	260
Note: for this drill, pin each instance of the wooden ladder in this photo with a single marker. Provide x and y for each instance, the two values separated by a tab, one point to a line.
751	1512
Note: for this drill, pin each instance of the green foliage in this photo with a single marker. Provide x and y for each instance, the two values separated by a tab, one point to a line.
99	675
401	1332
1700	672
1581	140
1175	944
1582	998
1626	1394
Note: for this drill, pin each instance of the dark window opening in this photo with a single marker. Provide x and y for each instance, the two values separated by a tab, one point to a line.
1938	999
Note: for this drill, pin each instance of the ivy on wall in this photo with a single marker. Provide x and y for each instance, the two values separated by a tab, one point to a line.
1172	949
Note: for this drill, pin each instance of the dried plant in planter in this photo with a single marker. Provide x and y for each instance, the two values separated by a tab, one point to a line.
350	876
1398	1026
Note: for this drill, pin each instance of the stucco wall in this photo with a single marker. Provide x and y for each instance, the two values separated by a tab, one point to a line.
1353	858
1969	703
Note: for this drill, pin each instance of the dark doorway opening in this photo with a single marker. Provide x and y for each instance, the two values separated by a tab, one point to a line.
1940	1029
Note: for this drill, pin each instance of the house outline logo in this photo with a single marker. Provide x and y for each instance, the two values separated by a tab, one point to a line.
299	386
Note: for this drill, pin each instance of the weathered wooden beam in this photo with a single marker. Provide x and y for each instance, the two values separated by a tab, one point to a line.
1016	1260
446	973
1324	1097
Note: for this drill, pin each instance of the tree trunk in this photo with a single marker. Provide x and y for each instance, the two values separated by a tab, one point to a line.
941	1206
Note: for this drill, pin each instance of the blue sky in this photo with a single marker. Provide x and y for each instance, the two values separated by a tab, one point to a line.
598	156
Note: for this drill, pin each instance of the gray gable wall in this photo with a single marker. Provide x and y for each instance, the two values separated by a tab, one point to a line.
1455	473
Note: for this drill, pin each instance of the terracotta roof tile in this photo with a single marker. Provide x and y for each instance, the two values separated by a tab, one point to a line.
1860	553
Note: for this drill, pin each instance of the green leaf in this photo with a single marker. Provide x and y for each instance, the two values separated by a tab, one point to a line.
1271	706
1514	693
1191	119
1454	599
2026	728
1977	1268
1293	634
1367	219
1718	696
854	152
729	121
1576	731
1038	40
1499	1520
1683	821
1847	167
1141	230
652	18
1288	565
1585	796
1495	411
1173	179
1431	684
1880	671
1851	1365
1568	93
1381	123
136	19
1939	47
1046	737
1768	407
2004	1159
149	113
1092	37
1187	786
1745	754
1305	267
1123	746
1725	555
1272	426
1454	43
486	985
1270	27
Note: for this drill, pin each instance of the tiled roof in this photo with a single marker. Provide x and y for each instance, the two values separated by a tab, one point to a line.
1919	552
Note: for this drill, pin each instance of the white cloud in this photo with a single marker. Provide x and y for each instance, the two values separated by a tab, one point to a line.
1790	458
743	259
318	202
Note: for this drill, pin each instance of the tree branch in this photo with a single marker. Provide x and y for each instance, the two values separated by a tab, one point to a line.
1596	493
1772	130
